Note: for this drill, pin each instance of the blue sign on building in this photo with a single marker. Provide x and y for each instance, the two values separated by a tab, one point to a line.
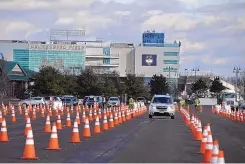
149	60
1	56
152	37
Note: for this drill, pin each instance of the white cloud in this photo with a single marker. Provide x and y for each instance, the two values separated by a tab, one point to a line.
82	19
13	29
191	47
123	13
43	4
176	21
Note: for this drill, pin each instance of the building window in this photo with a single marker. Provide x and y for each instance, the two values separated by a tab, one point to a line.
171	61
171	53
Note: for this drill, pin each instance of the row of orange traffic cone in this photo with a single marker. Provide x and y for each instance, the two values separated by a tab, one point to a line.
234	115
208	148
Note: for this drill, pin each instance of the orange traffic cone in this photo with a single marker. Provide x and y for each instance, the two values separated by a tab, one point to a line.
208	149
68	120
111	123
54	141
1	117
86	130
28	126
29	151
84	117
119	117
123	117
59	123
215	152
78	118
13	118
90	116
47	128
105	123
199	131
97	125
4	132
116	119
204	141
221	157
75	138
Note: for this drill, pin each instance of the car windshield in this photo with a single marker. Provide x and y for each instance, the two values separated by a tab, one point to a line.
113	99
141	99
91	99
229	95
164	100
36	98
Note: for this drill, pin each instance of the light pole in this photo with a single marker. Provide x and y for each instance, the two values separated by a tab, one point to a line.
195	69
169	70
237	70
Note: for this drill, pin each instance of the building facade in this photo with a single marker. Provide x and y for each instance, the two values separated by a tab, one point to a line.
155	56
65	57
104	58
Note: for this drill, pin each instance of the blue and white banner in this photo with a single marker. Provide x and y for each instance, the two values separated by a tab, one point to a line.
149	60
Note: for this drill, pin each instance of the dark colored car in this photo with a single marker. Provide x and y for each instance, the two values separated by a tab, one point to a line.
70	100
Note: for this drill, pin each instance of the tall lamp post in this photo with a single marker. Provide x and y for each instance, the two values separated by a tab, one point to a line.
237	70
195	70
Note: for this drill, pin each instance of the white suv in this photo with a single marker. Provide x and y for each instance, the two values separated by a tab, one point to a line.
161	105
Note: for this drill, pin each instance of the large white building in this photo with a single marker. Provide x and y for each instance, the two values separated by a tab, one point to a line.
157	60
105	58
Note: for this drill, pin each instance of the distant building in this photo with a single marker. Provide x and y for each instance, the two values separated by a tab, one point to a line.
155	56
14	79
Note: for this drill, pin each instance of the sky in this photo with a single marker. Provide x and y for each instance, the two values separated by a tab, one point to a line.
212	32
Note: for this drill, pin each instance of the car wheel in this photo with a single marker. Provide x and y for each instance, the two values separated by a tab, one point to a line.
172	117
150	116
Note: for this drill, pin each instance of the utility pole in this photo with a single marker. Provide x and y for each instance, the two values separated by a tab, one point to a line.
237	70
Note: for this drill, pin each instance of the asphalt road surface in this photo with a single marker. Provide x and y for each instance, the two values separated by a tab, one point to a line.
137	140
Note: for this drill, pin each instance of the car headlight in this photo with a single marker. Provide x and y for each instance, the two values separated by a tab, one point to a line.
171	107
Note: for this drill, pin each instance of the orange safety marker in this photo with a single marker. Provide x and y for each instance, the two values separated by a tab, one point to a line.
4	132
97	125
29	151
199	131
75	138
86	130
119	117
90	116
34	114
78	118
13	118
1	117
123	117
47	128
105	123
111	122
208	149
116	119
204	140
215	152
84	117
68	120
59	123
54	142
221	157
28	126
95	114
42	113
100	116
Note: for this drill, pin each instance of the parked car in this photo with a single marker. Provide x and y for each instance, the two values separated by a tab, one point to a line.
53	101
113	101
71	100
33	101
243	106
85	99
